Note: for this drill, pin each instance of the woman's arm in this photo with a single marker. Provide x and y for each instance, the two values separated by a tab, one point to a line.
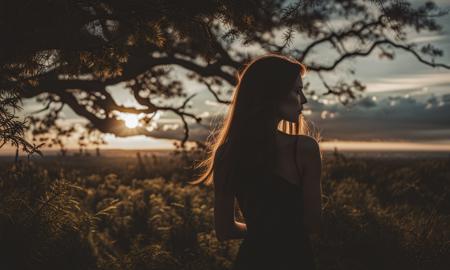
225	225
312	167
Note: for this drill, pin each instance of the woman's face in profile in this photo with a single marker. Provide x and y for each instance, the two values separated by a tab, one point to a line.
292	105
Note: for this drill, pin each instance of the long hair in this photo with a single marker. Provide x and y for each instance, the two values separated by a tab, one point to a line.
248	131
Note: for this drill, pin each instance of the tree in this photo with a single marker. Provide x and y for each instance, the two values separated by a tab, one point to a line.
12	128
68	52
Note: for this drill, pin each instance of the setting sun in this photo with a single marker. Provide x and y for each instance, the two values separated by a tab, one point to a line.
131	120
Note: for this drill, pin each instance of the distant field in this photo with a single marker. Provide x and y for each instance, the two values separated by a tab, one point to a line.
130	211
162	152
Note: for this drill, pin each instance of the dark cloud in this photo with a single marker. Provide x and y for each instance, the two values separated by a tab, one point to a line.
197	131
392	118
446	98
367	102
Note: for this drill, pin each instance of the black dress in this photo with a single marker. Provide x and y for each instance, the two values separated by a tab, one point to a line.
276	238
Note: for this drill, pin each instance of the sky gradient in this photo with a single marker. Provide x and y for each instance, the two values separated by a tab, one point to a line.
406	104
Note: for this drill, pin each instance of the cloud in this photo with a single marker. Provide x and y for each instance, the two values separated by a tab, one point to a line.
174	129
211	103
367	102
394	118
446	98
408	82
429	38
391	118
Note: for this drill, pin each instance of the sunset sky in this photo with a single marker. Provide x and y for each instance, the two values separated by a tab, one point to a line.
406	105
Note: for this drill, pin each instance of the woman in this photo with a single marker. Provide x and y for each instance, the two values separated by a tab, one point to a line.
273	174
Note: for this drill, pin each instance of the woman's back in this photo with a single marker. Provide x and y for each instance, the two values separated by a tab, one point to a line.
273	212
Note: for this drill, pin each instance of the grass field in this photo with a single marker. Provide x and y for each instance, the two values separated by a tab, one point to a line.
137	212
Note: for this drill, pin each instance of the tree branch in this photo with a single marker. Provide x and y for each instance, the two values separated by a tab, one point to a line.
367	52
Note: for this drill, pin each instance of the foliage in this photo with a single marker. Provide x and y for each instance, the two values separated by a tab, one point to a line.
11	128
71	53
41	223
377	213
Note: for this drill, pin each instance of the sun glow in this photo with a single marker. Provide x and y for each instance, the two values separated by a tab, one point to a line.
131	120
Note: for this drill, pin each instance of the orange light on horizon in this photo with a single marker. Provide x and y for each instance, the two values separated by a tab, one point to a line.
146	143
386	146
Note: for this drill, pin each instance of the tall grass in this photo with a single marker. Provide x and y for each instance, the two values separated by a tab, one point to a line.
378	214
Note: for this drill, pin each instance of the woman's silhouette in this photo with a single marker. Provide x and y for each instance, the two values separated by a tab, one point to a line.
273	172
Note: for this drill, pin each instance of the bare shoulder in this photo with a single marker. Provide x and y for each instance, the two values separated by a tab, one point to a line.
309	156
308	150
308	143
